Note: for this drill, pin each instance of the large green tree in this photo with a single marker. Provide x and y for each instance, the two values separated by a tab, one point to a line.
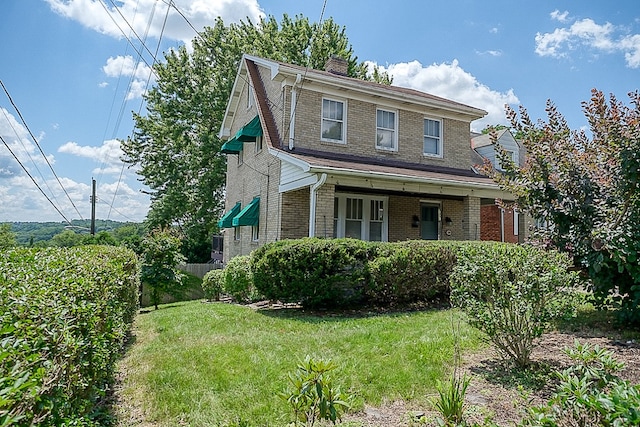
585	187
175	143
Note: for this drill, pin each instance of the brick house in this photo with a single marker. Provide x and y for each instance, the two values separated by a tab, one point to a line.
316	153
499	223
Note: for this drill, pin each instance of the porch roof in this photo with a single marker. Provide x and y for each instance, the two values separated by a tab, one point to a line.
383	175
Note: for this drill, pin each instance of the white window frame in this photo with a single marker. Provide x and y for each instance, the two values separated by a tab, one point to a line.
498	164
258	144
241	156
255	232
340	221
516	222
236	234
440	138
394	139
251	100
343	139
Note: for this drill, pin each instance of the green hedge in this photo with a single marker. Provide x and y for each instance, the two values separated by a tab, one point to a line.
212	284
340	272
314	272
64	316
411	271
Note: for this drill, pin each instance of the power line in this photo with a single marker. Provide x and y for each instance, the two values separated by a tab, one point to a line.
164	23
32	179
24	147
125	35
39	148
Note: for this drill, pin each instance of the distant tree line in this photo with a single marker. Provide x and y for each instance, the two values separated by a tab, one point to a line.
62	234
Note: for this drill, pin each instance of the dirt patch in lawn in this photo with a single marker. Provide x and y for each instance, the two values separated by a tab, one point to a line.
499	393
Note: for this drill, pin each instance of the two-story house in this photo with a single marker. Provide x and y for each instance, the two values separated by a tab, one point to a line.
317	153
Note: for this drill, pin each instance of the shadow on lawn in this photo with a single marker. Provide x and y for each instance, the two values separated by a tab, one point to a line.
296	312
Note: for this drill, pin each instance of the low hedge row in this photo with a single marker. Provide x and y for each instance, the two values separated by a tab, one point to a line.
64	316
339	272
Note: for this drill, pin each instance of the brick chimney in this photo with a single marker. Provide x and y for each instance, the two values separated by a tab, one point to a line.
336	65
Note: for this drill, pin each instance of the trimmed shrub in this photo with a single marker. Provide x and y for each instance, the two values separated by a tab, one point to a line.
314	272
238	279
407	272
513	293
212	284
64	316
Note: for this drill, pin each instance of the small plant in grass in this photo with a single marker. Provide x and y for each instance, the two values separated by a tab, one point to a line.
313	396
212	284
513	293
589	394
450	401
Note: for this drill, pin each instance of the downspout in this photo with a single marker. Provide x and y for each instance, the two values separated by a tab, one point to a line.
313	204
292	118
501	224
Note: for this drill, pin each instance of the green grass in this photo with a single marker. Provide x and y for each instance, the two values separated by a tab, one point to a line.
202	364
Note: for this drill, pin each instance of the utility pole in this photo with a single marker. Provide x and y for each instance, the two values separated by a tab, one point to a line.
93	207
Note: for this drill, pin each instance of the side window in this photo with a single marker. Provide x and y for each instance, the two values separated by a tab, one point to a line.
432	145
386	130
250	98
333	121
258	144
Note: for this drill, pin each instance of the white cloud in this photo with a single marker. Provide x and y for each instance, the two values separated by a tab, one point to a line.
108	153
101	16
139	73
490	52
586	33
22	201
452	82
20	143
494	30
560	16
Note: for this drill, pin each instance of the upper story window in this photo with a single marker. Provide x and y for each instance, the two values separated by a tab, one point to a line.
432	145
258	144
333	121
250	98
510	154
386	130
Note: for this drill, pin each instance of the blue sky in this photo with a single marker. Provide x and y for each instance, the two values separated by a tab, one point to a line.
75	78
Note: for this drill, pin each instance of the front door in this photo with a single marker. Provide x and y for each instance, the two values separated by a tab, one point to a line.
429	221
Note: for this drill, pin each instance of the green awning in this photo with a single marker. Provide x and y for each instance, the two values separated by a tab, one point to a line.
250	131
227	219
250	215
232	146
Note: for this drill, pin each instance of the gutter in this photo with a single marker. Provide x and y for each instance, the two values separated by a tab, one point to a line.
292	118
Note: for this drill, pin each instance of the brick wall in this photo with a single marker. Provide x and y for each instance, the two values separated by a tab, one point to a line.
258	175
471	218
361	132
325	197
295	214
491	228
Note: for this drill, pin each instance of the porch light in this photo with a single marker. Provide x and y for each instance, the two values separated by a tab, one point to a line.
448	220
415	221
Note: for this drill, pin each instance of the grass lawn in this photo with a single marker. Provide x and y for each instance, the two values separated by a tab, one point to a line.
208	364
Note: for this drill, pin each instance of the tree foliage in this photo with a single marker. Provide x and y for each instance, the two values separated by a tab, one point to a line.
585	187
176	144
159	265
7	237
